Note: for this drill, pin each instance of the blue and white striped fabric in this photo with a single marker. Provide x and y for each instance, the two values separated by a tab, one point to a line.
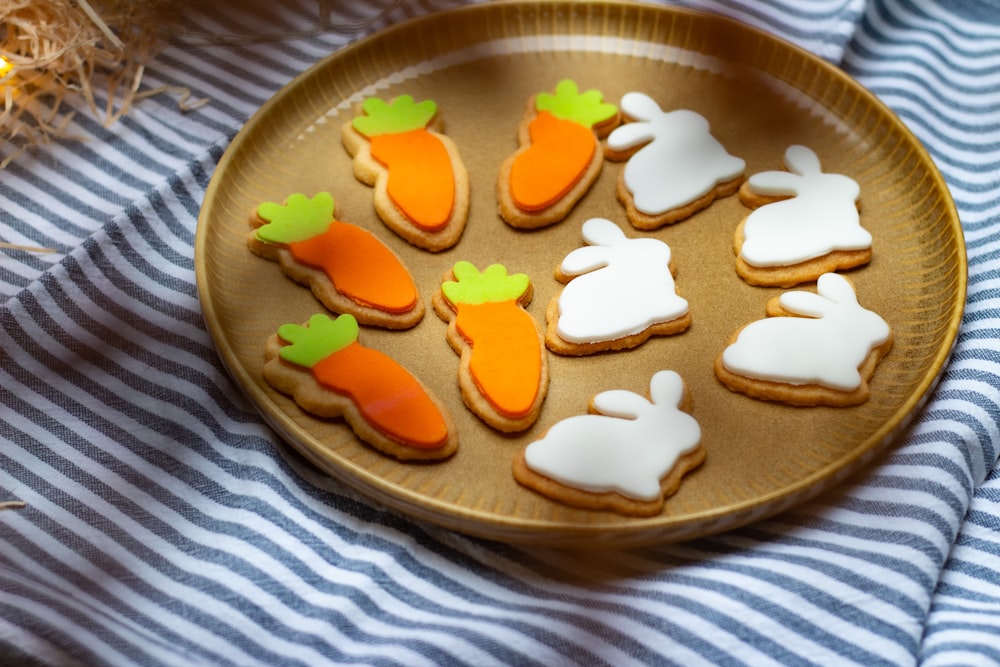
166	525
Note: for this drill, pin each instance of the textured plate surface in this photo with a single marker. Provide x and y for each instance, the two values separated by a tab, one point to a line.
481	63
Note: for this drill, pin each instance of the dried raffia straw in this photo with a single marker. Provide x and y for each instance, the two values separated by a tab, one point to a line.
13	505
59	48
26	248
62	48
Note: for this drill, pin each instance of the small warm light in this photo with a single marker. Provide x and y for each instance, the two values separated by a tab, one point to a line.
5	66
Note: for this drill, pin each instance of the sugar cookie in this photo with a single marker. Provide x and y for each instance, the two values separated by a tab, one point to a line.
812	349
328	373
628	455
675	166
503	373
805	224
421	184
619	292
558	156
347	268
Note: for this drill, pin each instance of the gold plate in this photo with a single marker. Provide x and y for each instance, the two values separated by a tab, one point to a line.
481	63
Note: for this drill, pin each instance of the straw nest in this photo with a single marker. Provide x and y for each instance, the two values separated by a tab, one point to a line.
56	49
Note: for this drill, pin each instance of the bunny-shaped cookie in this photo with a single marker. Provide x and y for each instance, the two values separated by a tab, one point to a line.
818	230
678	169
620	292
627	457
825	356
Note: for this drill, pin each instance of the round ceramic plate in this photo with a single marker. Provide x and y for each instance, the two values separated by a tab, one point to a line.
481	64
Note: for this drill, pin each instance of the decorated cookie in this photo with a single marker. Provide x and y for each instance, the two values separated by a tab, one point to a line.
348	268
619	292
806	223
558	158
328	373
421	185
675	166
503	374
813	349
628	455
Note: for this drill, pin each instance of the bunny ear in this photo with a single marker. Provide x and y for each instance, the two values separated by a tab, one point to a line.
836	288
774	183
584	260
620	403
667	389
599	231
630	135
640	106
802	160
805	303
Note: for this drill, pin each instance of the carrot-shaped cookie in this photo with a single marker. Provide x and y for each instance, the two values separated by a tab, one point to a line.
348	268
421	185
324	368
503	373
559	156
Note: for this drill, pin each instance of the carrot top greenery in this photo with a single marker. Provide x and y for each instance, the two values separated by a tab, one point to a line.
402	114
323	336
298	219
568	103
493	285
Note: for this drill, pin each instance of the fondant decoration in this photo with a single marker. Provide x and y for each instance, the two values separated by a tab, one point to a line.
421	185
819	220
620	291
558	157
812	349
503	373
679	167
329	374
348	268
627	457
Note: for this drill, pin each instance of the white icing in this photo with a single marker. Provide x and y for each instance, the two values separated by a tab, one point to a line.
629	447
821	217
825	347
621	286
681	162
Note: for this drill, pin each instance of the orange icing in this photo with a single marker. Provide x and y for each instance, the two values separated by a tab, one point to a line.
506	362
421	180
360	267
388	397
556	159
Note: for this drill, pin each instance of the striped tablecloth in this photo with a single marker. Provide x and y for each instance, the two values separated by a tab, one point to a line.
166	525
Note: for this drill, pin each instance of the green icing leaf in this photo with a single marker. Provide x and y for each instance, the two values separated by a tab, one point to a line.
400	115
323	336
298	219
569	103
493	285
